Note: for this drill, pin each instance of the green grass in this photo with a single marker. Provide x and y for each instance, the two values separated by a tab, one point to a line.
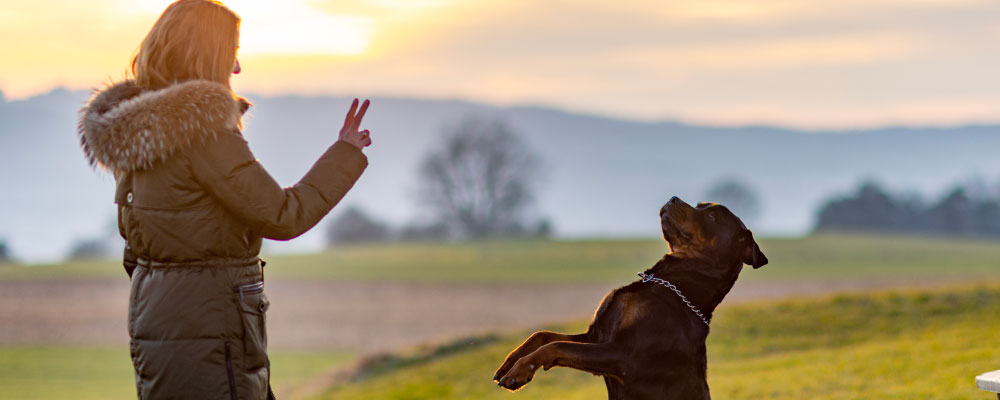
65	372
818	257
895	345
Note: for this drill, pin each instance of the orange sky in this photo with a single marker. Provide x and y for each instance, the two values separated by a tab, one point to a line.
846	63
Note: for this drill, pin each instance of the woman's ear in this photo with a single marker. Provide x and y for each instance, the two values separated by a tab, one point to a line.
244	104
752	255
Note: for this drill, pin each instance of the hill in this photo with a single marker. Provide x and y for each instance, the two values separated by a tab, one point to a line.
605	177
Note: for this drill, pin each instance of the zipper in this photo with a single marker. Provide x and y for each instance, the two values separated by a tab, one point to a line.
251	288
229	372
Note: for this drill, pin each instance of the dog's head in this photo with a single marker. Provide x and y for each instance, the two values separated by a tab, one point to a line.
709	229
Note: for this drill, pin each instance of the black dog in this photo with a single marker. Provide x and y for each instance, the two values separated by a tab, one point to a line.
648	338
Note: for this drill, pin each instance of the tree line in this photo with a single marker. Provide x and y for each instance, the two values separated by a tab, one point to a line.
970	209
480	182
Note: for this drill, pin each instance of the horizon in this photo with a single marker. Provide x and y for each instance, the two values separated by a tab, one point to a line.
794	172
779	125
846	65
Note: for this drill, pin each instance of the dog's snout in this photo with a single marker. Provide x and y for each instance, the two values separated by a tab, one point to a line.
673	200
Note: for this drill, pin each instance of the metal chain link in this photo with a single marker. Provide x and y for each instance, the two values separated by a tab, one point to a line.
664	282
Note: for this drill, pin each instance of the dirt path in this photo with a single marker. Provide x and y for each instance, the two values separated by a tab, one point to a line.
364	317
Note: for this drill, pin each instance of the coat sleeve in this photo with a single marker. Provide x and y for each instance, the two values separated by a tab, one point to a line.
228	171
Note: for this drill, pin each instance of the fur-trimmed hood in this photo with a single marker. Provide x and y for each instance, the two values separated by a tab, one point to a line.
123	128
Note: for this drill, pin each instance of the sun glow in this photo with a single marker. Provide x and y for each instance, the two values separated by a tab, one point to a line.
829	64
409	4
293	27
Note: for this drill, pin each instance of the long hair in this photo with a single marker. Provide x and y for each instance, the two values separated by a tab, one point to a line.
192	39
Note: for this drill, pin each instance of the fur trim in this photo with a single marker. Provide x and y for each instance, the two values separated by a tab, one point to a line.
123	128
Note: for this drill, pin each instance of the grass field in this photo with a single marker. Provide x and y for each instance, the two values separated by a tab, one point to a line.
818	257
926	344
84	373
896	345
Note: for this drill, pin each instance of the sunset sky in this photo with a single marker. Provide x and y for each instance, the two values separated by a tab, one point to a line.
813	64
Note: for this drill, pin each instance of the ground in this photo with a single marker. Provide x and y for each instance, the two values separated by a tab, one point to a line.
63	326
363	317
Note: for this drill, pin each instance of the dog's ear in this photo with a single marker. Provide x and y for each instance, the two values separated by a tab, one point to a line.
752	255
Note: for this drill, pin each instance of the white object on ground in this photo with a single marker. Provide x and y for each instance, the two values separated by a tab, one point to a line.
989	381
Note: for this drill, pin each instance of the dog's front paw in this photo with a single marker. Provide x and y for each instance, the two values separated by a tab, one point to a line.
519	375
508	363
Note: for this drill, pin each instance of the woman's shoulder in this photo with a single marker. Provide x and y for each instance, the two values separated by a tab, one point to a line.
125	128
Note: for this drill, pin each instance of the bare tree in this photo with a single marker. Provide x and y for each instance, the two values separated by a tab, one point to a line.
356	226
737	196
479	181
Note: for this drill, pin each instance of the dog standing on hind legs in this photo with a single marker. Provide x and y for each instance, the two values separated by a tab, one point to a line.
647	339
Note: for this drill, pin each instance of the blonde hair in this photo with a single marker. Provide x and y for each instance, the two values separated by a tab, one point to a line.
192	39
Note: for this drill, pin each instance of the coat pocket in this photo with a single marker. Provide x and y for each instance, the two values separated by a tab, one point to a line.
253	310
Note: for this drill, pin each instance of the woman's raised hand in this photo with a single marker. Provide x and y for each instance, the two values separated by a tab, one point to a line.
349	133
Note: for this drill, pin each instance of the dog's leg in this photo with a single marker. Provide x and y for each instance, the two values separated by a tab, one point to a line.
599	359
536	340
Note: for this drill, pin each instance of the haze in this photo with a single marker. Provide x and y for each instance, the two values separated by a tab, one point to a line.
844	64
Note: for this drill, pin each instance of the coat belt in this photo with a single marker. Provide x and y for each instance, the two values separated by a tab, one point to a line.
211	262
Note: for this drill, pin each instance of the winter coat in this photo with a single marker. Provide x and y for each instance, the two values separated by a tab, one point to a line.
193	206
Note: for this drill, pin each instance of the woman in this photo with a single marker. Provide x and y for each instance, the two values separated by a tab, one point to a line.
193	205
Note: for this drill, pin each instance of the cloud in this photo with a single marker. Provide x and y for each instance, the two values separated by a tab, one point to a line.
803	62
779	53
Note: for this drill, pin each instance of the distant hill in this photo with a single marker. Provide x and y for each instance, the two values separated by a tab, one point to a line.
605	177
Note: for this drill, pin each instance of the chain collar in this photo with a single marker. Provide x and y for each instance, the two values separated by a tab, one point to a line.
664	282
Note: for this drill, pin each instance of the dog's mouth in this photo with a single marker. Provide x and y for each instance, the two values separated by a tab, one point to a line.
671	229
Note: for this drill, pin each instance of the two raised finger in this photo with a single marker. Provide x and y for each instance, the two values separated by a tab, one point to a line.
349	120
353	120
361	113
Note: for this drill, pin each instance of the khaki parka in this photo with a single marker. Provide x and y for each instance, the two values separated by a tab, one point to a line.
193	207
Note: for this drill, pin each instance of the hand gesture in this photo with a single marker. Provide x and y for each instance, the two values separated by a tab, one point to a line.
349	133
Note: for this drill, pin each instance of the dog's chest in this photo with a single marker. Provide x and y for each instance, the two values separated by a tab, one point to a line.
607	319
